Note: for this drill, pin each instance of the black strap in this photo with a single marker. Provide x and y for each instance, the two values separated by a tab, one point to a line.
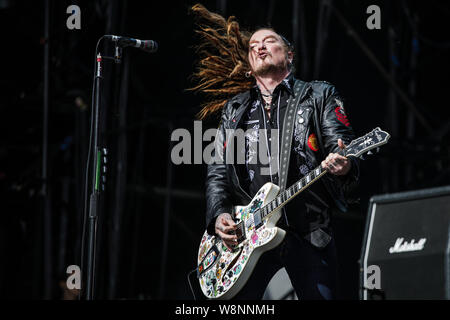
286	136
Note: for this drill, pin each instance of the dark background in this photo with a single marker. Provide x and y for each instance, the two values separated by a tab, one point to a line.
152	213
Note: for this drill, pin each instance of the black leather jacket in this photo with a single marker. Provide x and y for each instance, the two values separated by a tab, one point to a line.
321	102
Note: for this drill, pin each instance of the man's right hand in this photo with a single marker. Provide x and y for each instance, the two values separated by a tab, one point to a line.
224	225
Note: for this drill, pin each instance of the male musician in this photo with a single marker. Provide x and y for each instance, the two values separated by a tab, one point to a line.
320	129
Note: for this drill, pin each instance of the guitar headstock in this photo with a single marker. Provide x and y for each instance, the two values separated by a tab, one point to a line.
373	139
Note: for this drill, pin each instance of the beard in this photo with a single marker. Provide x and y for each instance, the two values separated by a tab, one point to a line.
269	68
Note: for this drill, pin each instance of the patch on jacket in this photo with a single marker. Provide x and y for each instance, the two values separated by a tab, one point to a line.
340	113
312	142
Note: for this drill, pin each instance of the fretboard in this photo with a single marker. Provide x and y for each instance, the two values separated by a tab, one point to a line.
287	195
356	148
284	197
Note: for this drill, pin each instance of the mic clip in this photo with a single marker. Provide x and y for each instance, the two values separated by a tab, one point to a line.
117	53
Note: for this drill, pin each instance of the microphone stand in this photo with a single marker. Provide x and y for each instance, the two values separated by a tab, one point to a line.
97	179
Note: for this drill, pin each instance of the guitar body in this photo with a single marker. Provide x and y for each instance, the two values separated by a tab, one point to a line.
222	273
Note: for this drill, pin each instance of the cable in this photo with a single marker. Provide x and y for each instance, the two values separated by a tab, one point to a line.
190	285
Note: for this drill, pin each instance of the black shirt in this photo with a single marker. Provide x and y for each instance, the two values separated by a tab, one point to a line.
258	126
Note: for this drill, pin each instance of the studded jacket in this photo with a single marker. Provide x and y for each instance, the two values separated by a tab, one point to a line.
319	106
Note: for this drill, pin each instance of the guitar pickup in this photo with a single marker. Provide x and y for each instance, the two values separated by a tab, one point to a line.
257	220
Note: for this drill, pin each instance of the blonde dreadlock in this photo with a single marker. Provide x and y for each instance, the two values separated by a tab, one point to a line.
223	59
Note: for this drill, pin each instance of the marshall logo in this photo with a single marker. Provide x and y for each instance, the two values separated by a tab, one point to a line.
405	246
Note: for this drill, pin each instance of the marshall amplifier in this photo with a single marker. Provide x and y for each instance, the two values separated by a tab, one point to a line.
406	246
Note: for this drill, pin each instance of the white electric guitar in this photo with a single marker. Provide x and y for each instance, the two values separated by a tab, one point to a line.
223	272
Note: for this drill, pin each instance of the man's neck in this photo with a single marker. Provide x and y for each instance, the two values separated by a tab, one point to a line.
269	82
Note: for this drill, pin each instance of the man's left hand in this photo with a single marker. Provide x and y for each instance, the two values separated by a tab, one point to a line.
337	164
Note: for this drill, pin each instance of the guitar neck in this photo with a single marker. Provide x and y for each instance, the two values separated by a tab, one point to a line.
356	148
290	193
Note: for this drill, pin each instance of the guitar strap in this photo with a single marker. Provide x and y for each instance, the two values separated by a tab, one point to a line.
288	128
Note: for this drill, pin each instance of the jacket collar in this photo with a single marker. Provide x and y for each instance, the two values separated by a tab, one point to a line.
241	101
287	84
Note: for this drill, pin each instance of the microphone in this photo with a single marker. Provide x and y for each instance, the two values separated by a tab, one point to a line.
146	45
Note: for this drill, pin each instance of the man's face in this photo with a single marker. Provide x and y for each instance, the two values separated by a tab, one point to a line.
267	53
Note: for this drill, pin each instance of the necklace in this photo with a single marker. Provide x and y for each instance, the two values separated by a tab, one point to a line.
267	102
267	98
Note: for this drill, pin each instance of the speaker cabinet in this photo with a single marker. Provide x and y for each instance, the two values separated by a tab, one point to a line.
406	246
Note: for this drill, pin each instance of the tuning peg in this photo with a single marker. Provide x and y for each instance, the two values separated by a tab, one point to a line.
370	152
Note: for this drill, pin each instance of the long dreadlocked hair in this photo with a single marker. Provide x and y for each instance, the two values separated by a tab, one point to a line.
223	59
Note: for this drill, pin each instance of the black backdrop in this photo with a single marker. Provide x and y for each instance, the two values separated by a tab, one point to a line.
148	232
